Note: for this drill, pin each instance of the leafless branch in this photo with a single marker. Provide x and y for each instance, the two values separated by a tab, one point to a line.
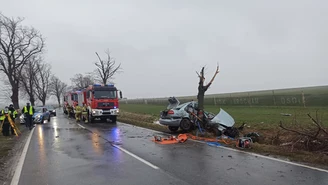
317	123
57	88
106	69
81	81
17	45
28	77
42	81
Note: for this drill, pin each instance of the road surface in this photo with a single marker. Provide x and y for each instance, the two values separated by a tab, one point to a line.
63	152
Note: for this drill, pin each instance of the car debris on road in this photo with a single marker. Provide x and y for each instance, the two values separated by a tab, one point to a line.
170	139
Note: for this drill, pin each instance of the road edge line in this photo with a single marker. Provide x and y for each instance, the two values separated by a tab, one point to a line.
81	126
136	157
266	157
19	168
250	153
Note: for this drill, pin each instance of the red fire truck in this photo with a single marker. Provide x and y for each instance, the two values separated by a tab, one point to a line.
70	98
101	100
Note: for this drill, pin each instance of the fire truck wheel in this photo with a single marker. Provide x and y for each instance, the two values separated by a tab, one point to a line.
91	119
113	119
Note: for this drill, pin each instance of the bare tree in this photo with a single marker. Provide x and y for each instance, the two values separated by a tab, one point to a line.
81	81
42	81
28	77
5	89
17	45
106	69
203	88
57	88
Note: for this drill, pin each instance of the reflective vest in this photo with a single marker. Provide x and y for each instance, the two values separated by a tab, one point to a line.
30	112
84	110
78	109
14	114
3	117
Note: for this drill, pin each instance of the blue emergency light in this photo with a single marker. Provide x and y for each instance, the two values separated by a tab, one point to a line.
110	85
96	85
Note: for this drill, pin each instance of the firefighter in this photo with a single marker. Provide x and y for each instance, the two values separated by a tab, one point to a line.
13	114
69	108
28	111
4	121
78	111
85	113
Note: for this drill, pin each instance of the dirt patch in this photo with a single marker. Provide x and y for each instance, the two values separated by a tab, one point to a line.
10	150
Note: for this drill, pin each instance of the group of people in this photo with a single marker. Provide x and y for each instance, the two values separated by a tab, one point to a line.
9	113
81	112
5	115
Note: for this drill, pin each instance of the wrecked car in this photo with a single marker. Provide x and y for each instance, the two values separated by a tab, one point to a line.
177	116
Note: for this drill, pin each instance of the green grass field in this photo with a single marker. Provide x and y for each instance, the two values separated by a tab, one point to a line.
266	116
264	120
308	96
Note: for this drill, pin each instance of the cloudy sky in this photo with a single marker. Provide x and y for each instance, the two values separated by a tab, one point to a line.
161	43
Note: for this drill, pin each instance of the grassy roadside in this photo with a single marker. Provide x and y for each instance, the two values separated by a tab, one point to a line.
8	148
264	120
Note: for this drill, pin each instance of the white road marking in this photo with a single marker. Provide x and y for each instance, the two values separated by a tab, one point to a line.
135	156
127	152
235	150
249	153
266	157
81	126
18	171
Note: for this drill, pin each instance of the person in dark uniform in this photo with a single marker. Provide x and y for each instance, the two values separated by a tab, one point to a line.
4	120
28	111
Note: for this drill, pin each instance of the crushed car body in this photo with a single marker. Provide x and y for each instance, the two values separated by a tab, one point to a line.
182	116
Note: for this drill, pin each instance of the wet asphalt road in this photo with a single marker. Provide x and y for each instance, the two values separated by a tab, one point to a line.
61	152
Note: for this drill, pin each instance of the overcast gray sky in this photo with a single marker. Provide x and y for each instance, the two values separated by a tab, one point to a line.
161	43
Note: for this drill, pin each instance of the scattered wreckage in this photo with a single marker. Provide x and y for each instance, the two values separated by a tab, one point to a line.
186	117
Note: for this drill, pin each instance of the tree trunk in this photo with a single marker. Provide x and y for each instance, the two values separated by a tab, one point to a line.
32	100
15	95
200	98
58	99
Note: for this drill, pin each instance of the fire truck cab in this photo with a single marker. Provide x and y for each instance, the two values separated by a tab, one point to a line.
102	101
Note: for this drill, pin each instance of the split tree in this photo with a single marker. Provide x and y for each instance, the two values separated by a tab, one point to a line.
203	88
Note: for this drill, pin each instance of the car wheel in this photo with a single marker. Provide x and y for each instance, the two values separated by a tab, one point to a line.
186	125
55	114
49	118
42	121
173	129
